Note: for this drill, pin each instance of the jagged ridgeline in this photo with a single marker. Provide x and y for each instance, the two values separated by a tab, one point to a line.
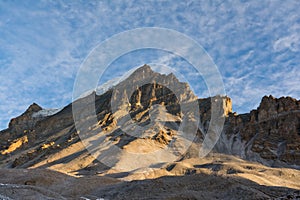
269	135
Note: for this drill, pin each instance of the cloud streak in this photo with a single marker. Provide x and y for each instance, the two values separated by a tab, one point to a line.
42	44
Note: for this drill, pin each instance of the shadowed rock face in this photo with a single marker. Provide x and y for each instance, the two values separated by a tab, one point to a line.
270	134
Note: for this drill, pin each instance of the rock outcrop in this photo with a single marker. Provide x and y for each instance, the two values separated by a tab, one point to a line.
270	134
18	128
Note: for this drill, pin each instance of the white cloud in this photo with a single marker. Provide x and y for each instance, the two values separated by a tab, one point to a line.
291	42
42	45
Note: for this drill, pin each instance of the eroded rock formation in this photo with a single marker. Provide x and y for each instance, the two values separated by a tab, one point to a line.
270	134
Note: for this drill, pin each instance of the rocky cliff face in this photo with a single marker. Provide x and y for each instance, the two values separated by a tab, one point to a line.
270	134
18	127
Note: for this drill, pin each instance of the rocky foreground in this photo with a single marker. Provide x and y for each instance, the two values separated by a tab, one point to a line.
215	177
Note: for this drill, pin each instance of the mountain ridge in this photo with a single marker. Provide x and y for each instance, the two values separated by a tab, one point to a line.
139	140
235	138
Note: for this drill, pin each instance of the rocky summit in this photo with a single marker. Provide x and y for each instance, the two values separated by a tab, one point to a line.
150	127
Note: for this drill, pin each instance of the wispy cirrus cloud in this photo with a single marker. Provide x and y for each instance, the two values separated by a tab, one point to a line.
42	44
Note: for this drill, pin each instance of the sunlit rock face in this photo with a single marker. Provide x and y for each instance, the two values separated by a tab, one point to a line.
146	104
146	116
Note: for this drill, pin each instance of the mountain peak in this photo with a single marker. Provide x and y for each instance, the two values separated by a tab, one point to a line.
144	86
144	113
144	69
34	107
145	72
141	73
25	121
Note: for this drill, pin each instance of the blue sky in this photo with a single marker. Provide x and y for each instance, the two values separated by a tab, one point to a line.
255	45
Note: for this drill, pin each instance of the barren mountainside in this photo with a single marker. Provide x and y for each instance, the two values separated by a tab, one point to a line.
145	118
270	134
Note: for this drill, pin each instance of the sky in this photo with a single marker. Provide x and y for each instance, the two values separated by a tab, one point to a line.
254	44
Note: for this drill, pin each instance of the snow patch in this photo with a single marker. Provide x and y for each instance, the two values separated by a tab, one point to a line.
46	112
102	88
107	85
2	197
9	185
85	198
